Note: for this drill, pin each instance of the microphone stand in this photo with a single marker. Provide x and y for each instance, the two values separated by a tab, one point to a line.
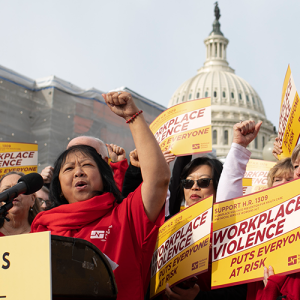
4	210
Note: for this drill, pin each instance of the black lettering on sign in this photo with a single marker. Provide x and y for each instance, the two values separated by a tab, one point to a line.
6	260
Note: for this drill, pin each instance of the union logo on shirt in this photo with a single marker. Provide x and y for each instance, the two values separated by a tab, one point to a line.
101	234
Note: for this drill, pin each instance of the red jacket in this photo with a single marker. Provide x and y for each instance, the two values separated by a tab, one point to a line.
278	285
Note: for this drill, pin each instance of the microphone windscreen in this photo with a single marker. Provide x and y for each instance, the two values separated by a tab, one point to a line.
33	181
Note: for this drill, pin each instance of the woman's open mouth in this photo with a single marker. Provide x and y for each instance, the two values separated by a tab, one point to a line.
80	185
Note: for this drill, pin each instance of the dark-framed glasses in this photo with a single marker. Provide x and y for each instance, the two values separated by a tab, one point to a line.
202	183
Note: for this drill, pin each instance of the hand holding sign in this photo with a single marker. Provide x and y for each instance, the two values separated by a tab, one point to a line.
177	293
245	132
267	273
277	150
169	157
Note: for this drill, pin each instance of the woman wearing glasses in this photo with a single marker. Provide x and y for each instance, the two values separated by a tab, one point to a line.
43	197
183	187
198	180
191	182
24	210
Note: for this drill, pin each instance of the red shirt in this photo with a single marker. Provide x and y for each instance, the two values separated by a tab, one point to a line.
121	231
119	169
285	285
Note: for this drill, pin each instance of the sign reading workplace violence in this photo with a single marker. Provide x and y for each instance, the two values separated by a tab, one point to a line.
182	248
258	171
184	128
254	231
289	119
18	157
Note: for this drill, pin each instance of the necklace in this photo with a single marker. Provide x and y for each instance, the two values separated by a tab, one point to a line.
15	231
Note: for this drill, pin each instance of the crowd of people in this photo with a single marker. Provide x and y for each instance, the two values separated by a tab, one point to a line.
85	192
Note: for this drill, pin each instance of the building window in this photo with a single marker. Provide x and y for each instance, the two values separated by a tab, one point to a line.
232	95
215	94
206	94
247	98
224	94
253	100
240	96
190	96
263	141
226	137
177	99
198	94
215	137
220	50
216	49
182	98
255	143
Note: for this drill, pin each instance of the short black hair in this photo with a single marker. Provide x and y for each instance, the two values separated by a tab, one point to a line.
215	164
105	171
216	167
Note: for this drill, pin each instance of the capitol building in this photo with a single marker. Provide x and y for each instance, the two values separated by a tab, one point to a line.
232	98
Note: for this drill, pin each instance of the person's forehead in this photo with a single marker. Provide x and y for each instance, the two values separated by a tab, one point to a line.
77	156
42	194
285	173
200	170
10	179
297	159
85	140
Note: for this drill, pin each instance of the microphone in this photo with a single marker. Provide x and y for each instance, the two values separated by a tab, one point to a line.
27	184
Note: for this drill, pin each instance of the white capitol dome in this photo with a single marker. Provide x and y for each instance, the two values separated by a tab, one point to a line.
232	98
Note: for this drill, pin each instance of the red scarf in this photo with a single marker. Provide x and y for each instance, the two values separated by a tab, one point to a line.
67	219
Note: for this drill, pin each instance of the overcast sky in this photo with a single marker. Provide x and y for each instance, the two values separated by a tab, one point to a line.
150	46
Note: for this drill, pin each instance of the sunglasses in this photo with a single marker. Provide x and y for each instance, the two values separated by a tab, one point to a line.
202	183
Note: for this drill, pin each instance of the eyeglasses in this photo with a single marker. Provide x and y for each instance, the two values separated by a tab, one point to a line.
202	183
42	201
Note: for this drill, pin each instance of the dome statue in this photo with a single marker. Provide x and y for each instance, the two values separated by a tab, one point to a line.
232	98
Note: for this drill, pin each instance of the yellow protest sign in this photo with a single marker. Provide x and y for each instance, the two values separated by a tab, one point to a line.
258	170
247	186
254	231
184	128
182	248
18	157
289	119
26	266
